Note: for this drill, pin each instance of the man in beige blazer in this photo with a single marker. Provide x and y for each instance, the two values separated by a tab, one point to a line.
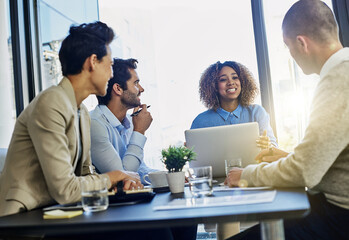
49	153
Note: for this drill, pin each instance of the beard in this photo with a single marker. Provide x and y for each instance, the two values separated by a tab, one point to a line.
130	99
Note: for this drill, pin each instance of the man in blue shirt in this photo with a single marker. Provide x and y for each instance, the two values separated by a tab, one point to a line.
117	139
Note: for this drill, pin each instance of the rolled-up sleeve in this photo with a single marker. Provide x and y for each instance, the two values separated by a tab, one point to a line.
134	153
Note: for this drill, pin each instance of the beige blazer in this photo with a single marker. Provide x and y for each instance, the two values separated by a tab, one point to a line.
42	166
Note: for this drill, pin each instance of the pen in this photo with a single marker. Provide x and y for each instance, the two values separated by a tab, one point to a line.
137	112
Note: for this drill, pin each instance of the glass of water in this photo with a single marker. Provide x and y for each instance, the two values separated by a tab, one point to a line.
200	181
94	195
231	163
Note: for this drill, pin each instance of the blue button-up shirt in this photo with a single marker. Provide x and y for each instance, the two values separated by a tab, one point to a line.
114	144
252	113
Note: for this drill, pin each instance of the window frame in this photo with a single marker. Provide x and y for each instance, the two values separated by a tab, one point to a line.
341	11
262	54
25	51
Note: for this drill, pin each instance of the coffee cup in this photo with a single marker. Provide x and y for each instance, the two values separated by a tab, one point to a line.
156	179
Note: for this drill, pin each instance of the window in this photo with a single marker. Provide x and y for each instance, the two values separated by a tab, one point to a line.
7	95
292	90
55	20
175	41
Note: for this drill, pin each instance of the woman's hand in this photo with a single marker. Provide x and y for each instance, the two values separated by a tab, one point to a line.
132	185
263	141
131	179
270	155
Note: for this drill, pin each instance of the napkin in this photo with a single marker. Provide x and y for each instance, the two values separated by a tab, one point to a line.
60	214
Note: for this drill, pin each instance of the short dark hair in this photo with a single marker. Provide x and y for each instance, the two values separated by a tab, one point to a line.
209	84
312	18
83	41
121	76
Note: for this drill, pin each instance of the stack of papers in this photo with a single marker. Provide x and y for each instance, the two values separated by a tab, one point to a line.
261	197
60	214
223	188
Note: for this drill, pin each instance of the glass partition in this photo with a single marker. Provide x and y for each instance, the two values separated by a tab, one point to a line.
55	20
7	95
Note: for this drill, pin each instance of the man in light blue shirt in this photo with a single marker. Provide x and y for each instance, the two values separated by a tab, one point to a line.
117	139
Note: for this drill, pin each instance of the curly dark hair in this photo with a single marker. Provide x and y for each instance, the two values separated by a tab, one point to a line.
209	84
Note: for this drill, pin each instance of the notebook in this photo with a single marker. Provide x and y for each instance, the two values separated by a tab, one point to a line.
215	144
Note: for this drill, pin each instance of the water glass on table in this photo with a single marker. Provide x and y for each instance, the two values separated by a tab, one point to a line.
94	195
200	181
231	163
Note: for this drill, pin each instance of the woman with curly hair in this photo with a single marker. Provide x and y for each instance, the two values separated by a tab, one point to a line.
228	90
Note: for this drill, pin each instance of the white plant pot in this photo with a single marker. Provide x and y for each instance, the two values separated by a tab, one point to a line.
176	181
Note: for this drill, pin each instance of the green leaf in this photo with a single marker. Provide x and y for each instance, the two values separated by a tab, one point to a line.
175	158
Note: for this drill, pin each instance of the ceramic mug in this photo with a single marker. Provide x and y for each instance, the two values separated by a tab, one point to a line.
156	179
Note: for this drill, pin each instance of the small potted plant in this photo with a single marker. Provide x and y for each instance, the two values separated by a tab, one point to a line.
174	159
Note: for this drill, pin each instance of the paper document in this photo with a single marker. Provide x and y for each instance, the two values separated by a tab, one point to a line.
59	214
223	188
241	199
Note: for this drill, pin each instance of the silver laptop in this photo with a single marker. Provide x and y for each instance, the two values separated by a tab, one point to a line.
215	144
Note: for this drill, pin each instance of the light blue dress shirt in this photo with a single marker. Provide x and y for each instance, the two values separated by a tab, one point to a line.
114	145
252	113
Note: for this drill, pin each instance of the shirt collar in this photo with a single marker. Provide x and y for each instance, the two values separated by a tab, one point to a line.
335	59
112	119
225	114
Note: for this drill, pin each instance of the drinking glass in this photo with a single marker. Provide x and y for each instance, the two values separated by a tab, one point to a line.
200	181
231	163
94	195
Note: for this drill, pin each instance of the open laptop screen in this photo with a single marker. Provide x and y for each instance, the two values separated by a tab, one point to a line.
213	145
